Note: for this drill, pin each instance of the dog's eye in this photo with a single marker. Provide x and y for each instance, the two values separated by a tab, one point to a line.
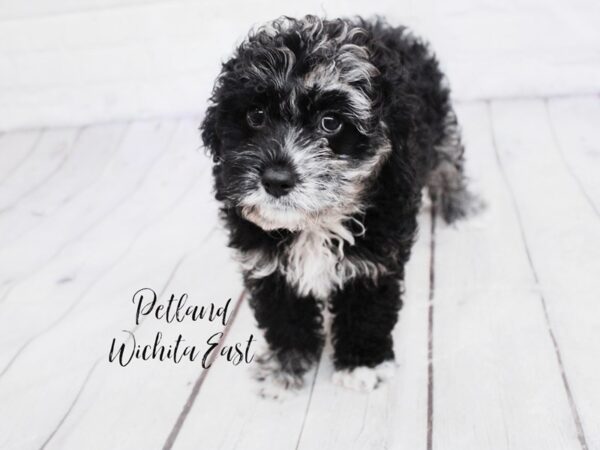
256	117
331	124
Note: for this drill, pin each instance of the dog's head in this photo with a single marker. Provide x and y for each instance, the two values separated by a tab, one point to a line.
294	126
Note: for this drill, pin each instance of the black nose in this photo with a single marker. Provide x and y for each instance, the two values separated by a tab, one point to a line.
278	180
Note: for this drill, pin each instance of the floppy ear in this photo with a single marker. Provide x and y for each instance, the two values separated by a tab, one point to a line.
210	136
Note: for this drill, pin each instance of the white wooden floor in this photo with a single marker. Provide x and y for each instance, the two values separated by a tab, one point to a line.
498	344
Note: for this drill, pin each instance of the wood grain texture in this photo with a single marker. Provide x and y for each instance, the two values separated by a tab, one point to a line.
53	255
92	151
143	413
49	154
574	125
144	143
15	149
505	304
491	339
563	240
80	314
235	416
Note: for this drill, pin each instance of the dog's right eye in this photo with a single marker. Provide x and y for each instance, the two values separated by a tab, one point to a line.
256	117
331	124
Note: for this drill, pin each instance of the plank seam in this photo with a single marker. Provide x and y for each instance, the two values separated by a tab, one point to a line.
187	407
120	202
64	417
554	135
90	286
7	291
69	198
430	322
310	395
512	98
195	115
68	153
92	370
96	222
573	407
32	149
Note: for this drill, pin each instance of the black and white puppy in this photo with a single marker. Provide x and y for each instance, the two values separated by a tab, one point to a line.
323	134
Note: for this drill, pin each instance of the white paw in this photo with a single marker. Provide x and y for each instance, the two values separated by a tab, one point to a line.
274	388
275	383
364	379
386	370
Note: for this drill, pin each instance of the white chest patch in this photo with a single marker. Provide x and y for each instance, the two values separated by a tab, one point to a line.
314	263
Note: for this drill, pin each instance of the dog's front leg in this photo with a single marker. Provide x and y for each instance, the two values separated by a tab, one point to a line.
365	312
293	329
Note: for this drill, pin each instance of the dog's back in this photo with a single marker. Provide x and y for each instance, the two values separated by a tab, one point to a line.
415	79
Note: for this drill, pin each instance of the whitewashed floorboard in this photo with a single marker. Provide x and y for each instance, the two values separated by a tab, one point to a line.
228	413
563	241
113	237
143	414
53	366
94	147
50	155
15	149
393	416
70	247
491	341
143	145
109	209
575	123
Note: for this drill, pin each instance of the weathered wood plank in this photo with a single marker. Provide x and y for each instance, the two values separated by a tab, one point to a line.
53	369
92	150
109	240
127	172
228	413
143	414
67	239
563	243
516	315
490	337
395	414
48	158
574	123
15	149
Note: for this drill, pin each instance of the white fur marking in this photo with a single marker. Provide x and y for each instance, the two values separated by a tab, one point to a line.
316	209
313	259
275	383
364	379
315	263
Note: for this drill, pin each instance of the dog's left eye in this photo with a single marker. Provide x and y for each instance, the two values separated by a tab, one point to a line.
331	124
256	117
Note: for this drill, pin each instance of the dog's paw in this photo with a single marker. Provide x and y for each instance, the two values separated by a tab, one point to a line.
275	382
364	379
277	387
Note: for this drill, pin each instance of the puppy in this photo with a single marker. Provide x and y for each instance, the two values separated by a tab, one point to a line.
323	134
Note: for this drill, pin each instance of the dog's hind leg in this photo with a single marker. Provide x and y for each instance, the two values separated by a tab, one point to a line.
446	183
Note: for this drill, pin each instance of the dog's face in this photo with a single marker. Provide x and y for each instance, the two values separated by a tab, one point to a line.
295	128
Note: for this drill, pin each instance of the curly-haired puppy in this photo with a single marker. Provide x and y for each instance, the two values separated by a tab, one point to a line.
323	134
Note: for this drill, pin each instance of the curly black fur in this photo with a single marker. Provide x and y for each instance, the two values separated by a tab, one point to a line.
399	135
